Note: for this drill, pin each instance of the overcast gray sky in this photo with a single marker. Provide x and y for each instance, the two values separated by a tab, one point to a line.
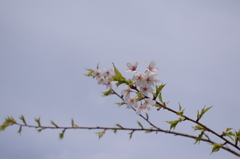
45	47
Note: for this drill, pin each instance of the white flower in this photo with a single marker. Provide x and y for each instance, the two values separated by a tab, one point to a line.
102	80
149	79
155	78
131	101
145	89
139	78
108	73
147	105
126	92
139	109
97	73
151	67
109	84
132	67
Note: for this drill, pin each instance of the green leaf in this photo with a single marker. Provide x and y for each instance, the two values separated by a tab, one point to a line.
156	105
38	121
54	124
23	119
160	97
140	96
119	126
119	77
147	116
159	88
130	134
90	72
181	111
204	110
228	129
140	124
198	139
198	127
107	93
61	135
8	121
173	123
39	130
120	104
72	122
228	134
100	134
20	130
216	147
115	131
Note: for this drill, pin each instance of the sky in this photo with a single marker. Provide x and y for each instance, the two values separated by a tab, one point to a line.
45	47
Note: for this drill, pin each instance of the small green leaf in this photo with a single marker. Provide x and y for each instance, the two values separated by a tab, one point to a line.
216	147
160	97
140	124
38	121
20	130
90	72
100	134
39	130
204	110
119	77
198	127
119	125
159	88
147	116
173	123
54	124
23	119
130	134
228	129
115	131
72	122
140	96
147	131
156	105
107	93
120	104
198	139
61	135
8	121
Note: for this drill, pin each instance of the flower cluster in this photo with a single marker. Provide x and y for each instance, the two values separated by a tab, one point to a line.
143	82
105	77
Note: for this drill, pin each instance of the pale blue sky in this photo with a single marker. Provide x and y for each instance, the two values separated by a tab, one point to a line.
45	46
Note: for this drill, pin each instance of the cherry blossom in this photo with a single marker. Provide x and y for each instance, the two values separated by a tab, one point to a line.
131	101
139	109
139	78
145	89
126	92
151	67
108	73
102	80
132	67
97	73
147	105
109	84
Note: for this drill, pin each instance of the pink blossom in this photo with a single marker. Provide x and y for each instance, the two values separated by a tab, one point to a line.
132	67
131	101
145	89
139	78
126	92
108	73
151	67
